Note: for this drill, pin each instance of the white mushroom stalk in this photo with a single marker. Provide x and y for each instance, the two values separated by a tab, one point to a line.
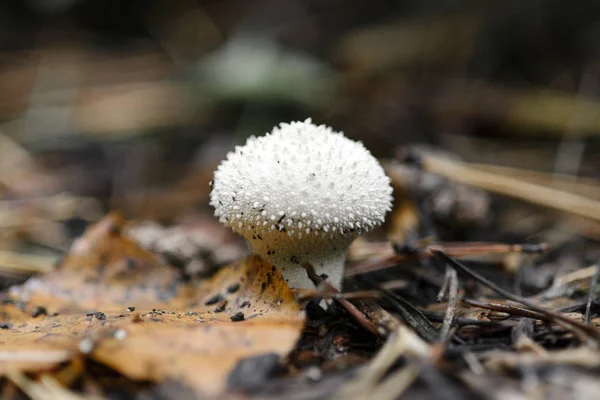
301	193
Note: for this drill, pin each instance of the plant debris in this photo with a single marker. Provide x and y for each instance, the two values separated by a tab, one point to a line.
173	332
482	282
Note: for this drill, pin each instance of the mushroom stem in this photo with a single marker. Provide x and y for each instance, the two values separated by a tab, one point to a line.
326	256
297	277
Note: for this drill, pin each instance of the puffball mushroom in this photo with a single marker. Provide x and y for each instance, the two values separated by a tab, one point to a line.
301	193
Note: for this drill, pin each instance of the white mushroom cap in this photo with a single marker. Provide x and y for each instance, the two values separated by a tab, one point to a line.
301	193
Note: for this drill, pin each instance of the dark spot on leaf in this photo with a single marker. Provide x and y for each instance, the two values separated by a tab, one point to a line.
6	325
221	307
98	314
233	288
214	300
39	311
237	317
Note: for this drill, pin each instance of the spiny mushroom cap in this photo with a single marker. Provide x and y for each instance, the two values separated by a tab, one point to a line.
304	180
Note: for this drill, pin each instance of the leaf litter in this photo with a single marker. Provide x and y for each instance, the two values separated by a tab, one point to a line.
114	305
120	305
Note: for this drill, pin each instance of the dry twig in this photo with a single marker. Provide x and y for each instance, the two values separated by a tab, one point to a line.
558	318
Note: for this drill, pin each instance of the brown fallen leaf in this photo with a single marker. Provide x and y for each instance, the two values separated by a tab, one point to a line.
105	269
120	305
30	353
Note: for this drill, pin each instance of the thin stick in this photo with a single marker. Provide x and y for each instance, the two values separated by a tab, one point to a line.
434	316
357	314
411	314
451	308
576	326
450	248
591	294
395	384
509	309
442	293
307	294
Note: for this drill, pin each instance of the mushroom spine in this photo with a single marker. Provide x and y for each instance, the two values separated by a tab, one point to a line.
301	193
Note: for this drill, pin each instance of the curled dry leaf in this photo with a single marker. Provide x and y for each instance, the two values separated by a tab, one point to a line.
120	305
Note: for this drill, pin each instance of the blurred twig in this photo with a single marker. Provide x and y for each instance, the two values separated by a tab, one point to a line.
25	263
513	187
568	183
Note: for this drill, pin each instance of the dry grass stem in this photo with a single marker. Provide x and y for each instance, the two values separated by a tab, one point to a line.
514	187
25	263
46	389
568	183
403	342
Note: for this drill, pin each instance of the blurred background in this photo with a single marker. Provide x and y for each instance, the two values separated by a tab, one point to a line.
131	104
